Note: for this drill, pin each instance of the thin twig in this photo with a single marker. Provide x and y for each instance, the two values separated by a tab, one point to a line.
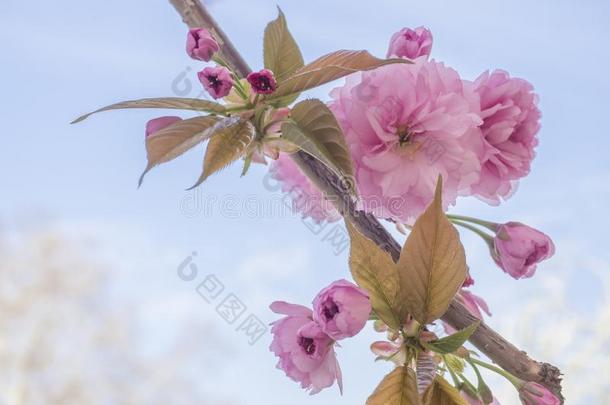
489	342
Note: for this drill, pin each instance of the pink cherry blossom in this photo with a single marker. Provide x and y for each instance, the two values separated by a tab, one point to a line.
200	44
511	120
532	393
305	352
518	248
342	309
158	124
405	124
306	197
216	80
262	82
411	43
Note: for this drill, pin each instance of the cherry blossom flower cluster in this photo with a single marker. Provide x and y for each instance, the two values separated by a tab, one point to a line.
304	339
407	123
416	136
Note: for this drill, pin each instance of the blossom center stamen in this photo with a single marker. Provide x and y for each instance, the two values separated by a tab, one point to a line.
330	310
307	344
214	82
264	84
404	135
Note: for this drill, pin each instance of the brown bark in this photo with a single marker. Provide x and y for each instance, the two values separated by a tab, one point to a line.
489	342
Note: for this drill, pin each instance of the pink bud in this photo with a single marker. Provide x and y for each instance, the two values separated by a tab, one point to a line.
341	309
411	44
532	393
216	80
262	82
200	44
158	124
518	248
394	352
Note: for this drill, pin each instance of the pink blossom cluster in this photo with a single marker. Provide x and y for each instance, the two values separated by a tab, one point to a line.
405	124
304	339
408	123
218	80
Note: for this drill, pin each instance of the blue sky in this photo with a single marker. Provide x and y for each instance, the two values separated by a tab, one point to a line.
61	59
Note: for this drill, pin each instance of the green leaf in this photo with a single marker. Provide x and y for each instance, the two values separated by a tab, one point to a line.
397	388
451	343
375	271
163	102
432	264
281	52
330	67
315	130
442	393
230	139
173	140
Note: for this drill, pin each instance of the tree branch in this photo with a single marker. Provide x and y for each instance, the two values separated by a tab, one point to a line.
489	342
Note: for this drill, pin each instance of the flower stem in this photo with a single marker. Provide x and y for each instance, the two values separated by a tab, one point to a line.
238	109
514	380
239	88
467	382
486	237
487	224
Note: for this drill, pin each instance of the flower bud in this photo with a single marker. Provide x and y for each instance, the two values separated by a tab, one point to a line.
532	393
262	82
394	352
411	44
216	80
518	248
200	44
341	309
